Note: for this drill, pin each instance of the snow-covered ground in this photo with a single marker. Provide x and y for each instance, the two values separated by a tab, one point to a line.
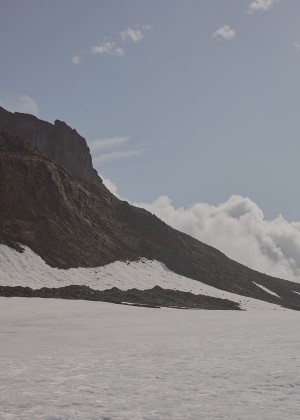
93	360
28	269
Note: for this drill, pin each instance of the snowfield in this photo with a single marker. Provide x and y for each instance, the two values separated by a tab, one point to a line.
63	359
93	360
28	269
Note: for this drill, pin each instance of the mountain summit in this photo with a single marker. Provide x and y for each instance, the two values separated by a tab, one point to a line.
57	141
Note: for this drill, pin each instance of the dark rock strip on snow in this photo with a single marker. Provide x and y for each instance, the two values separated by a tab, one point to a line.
155	297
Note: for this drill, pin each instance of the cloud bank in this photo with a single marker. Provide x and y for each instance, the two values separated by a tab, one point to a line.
23	103
238	228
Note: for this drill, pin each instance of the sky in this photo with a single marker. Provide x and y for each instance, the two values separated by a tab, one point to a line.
182	103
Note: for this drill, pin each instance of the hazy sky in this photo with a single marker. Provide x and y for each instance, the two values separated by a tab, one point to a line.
194	99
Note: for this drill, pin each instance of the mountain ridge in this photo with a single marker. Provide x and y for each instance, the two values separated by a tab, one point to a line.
72	222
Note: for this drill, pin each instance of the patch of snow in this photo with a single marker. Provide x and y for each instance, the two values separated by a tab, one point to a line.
266	290
28	269
94	360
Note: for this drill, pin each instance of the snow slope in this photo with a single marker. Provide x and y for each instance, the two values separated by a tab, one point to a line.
266	290
28	269
93	360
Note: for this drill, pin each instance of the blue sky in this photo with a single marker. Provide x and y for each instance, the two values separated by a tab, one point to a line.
194	99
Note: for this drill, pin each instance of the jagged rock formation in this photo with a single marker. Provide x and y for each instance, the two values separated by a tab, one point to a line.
57	141
70	222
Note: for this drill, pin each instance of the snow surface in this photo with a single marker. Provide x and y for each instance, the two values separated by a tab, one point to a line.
92	360
28	269
266	290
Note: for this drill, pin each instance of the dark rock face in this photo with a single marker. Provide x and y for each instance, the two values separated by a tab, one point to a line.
57	141
71	222
153	298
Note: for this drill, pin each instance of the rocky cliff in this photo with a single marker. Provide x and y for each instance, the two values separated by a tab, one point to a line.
57	141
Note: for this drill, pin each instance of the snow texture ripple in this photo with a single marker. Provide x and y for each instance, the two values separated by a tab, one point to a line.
94	360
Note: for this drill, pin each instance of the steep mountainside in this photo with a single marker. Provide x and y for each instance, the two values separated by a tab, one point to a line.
71	222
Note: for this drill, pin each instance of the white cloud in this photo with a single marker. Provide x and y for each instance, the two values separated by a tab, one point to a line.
108	48
238	228
147	27
107	143
111	186
297	45
23	103
111	47
261	5
76	59
225	32
116	155
134	35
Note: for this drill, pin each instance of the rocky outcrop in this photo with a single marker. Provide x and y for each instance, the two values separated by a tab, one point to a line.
57	141
154	298
70	222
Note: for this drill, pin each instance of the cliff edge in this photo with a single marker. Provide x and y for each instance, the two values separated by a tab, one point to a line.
57	141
